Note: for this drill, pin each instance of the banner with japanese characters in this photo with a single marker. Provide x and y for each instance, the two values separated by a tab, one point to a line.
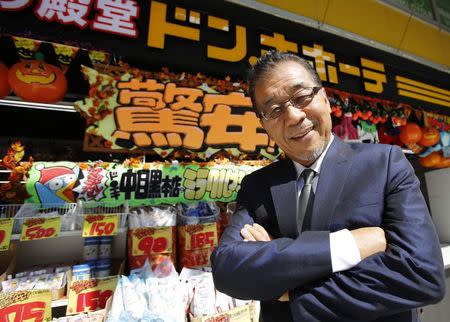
215	38
145	184
133	114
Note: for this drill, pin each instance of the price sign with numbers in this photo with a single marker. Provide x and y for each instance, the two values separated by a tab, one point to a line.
90	295
30	306
147	241
201	236
6	225
40	228
100	225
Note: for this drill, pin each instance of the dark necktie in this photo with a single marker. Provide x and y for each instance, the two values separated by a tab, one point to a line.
305	201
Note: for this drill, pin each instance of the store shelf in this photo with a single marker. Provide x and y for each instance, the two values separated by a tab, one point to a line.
59	303
73	233
446	255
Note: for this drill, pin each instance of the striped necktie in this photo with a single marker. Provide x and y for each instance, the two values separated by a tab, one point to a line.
305	201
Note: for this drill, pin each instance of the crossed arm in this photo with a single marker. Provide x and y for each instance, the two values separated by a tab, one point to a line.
408	274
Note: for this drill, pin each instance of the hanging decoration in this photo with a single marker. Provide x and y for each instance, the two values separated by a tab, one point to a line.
37	81
65	55
137	182
26	48
14	192
171	115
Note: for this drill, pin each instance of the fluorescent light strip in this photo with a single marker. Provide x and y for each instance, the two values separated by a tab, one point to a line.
41	106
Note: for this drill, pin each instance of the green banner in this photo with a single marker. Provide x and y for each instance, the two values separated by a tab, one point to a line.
144	184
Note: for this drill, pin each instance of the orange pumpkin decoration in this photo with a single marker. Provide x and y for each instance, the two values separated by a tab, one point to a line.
410	133
431	160
37	81
429	137
444	163
4	85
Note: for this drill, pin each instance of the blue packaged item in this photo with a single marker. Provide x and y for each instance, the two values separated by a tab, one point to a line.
81	272
90	249
104	248
103	268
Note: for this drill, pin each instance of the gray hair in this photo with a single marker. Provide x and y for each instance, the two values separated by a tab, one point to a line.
267	63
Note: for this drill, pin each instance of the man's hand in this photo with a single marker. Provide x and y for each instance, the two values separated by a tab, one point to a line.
370	240
255	233
258	233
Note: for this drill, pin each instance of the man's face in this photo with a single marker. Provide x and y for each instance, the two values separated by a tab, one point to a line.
303	133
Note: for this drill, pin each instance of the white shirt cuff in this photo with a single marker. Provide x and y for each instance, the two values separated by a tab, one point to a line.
344	251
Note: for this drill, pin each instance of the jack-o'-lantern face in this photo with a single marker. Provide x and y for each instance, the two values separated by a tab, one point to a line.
37	81
4	84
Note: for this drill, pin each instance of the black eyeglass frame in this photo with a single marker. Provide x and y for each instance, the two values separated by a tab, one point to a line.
315	90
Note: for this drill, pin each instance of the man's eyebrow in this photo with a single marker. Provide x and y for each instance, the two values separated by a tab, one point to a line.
294	88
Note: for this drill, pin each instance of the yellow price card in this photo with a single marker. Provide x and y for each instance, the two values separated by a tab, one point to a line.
30	306
6	225
90	295
147	241
40	228
200	236
100	225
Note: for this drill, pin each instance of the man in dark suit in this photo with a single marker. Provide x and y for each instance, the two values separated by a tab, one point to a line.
337	232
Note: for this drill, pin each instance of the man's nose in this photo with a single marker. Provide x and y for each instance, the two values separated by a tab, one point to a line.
293	114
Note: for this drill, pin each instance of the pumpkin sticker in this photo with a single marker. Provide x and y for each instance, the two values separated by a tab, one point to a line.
37	81
4	85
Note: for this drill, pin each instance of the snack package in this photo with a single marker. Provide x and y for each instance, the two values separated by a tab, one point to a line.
152	235
197	234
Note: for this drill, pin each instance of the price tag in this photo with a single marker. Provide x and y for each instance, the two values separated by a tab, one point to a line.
100	225
30	306
90	295
146	241
40	228
201	236
6	226
238	314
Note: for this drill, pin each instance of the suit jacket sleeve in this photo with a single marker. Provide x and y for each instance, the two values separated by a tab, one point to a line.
266	270
408	275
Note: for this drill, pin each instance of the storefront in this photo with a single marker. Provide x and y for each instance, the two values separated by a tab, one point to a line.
156	90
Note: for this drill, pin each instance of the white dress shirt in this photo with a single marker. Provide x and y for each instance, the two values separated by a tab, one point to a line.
343	248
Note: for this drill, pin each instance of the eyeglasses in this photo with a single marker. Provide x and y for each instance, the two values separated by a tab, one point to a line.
299	99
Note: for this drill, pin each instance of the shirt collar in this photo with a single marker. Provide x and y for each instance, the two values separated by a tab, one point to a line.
317	164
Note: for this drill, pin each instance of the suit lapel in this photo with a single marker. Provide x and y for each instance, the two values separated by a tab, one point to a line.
333	172
284	199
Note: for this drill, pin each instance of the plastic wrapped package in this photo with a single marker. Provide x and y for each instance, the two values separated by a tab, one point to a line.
149	296
197	233
152	235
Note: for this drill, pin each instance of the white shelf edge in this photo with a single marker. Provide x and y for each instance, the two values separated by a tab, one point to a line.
446	255
72	233
59	303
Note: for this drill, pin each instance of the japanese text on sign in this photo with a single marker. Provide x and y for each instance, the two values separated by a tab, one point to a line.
100	225
112	16
40	228
164	115
201	236
147	241
152	185
90	295
33	306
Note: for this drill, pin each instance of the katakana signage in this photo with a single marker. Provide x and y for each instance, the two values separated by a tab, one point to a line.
218	38
150	183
